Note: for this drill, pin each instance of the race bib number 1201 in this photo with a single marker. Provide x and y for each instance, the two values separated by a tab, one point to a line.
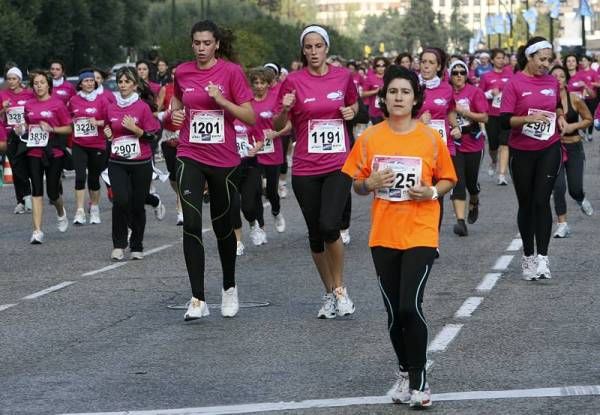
207	126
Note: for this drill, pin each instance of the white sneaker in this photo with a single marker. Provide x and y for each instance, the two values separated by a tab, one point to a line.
27	200
491	170
345	234
136	255
282	190
62	221
344	305
95	214
543	267
196	309
328	308
585	205
230	304
240	248
179	218
400	392
19	209
420	399
529	267
562	230
37	238
502	180
117	254
79	218
279	222
257	235
160	210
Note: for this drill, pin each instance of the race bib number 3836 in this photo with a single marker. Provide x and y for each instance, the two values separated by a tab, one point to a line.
207	126
540	130
407	173
326	136
37	136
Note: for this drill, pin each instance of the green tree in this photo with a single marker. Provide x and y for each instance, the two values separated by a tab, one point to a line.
458	34
420	26
384	28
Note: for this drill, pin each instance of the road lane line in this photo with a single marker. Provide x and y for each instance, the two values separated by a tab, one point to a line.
515	245
468	307
48	290
567	391
489	281
444	337
503	262
155	250
104	269
6	306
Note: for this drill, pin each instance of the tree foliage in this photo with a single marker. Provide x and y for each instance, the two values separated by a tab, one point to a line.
458	34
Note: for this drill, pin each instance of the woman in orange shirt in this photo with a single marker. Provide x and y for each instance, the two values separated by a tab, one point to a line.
407	166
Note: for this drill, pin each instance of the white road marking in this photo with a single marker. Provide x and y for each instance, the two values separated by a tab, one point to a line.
48	290
566	391
468	307
444	337
206	230
503	262
120	264
158	249
515	245
6	306
489	281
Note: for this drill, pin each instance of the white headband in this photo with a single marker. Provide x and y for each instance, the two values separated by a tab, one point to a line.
272	66
455	64
484	55
15	71
314	29
544	44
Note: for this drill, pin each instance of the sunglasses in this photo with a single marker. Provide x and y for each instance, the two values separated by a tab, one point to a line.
457	73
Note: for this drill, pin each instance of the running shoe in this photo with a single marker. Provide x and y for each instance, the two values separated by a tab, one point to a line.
420	399
282	190
400	392
179	218
27	200
344	305
543	268
37	238
79	218
562	230
19	209
502	180
585	205
345	234
240	248
136	255
196	309
230	304
258	235
328	308
62	222
491	170
95	214
117	254
529	268
279	222
160	210
460	228
473	214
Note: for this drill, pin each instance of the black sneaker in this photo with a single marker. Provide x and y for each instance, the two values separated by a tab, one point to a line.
473	213
461	228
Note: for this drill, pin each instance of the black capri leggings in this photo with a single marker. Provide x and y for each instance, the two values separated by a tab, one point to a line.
286	140
20	168
248	197
92	160
497	136
533	174
271	174
170	154
53	172
573	169
322	199
402	278
191	178
467	170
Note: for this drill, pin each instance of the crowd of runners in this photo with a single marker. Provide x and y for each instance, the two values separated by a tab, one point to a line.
405	131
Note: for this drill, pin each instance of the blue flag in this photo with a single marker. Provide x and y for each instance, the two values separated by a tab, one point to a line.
584	9
530	17
554	6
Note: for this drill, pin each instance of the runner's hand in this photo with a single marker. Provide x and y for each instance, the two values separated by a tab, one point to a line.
258	145
381	179
289	100
347	113
426	117
421	192
177	117
129	123
108	133
537	117
456	133
214	92
20	129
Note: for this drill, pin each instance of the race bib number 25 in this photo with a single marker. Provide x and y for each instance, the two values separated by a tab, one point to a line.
407	173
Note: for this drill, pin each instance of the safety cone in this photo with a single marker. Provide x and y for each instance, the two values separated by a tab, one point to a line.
8	176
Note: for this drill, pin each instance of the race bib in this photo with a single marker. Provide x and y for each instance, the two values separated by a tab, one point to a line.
15	115
326	136
242	144
37	137
83	127
127	147
407	172
207	126
440	127
497	100
269	145
540	130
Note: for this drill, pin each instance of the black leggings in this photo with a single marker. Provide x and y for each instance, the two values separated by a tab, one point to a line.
286	140
322	199
573	168
53	172
94	161
271	174
191	178
497	136
467	170
533	174
402	278
248	197
170	155
20	170
130	184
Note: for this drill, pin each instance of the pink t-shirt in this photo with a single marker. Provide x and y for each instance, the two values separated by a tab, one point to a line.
373	82
582	78
83	133
272	152
212	140
472	97
439	102
16	108
52	111
142	113
322	141
523	93
64	92
2	134
108	95
494	80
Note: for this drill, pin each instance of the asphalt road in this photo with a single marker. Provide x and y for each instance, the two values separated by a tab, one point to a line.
104	339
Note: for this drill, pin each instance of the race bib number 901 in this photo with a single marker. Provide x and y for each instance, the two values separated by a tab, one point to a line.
83	127
326	136
37	137
127	147
207	126
540	130
407	173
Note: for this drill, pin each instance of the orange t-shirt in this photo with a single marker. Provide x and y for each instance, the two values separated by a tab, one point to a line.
408	223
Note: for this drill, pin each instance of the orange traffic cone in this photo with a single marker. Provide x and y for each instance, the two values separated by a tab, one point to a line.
8	176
